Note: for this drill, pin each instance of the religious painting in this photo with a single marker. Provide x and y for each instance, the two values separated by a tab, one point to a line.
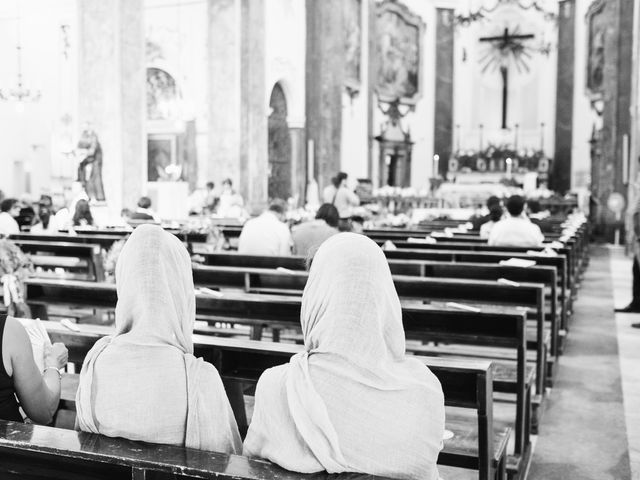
353	43
399	53
161	152
597	28
162	95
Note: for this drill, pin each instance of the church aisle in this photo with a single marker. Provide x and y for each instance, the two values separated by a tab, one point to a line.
583	431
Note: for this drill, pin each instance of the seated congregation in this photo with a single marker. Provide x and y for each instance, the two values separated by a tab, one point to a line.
359	395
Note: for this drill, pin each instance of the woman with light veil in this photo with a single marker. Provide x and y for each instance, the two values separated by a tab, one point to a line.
143	382
352	401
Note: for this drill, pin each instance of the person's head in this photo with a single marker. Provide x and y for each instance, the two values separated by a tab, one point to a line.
493	201
154	282
278	207
350	306
11	206
144	202
357	223
515	205
83	212
45	201
210	186
495	213
125	213
227	185
533	206
340	179
329	214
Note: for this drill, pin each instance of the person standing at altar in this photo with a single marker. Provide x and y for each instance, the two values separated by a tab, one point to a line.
231	203
339	195
516	230
144	211
267	234
9	212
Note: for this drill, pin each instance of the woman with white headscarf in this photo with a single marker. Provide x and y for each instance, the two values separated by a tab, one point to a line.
352	401
143	383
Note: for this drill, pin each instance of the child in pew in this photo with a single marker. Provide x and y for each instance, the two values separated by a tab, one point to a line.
143	383
352	402
38	393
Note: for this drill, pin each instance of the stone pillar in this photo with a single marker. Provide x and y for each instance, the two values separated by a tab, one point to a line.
369	23
324	84
443	121
224	91
111	93
254	151
298	161
561	173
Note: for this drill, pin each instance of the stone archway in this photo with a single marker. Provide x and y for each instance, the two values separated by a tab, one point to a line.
279	146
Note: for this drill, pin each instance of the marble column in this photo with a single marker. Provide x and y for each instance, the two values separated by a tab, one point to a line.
254	157
443	121
297	134
372	66
224	50
561	173
111	93
325	59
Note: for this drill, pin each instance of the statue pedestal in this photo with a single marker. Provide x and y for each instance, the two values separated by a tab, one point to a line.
169	199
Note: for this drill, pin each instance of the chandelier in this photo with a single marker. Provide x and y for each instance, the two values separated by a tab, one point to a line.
19	94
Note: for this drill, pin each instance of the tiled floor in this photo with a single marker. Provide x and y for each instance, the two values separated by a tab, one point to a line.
629	348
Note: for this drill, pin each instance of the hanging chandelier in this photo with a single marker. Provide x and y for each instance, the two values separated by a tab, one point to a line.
19	94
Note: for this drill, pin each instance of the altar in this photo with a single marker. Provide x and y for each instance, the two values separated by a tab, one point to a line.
169	199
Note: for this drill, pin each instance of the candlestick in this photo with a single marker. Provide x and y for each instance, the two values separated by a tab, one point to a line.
509	161
515	142
481	129
436	161
310	160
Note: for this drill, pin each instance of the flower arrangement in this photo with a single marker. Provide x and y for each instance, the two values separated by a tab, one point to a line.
15	267
493	158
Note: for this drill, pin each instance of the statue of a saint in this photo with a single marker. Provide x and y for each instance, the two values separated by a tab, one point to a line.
90	166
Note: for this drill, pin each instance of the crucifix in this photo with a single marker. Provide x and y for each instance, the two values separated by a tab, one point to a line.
504	49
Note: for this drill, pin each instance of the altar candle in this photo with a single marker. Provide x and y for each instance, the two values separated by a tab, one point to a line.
310	160
509	161
436	160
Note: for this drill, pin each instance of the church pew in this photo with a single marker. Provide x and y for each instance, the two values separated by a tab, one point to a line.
494	329
105	241
34	451
466	384
85	258
240	277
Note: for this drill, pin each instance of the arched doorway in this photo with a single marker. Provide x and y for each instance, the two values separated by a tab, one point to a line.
279	146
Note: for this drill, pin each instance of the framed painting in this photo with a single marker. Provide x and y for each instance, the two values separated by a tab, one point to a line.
398	53
597	32
162	151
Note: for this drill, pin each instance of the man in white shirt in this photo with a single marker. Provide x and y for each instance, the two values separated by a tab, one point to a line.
516	230
267	234
9	211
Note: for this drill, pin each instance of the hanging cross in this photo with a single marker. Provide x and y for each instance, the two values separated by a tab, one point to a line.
503	47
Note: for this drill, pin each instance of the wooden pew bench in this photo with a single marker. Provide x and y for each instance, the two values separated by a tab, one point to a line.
34	451
478	442
105	241
85	258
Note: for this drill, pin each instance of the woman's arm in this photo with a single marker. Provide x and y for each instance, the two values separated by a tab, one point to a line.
39	394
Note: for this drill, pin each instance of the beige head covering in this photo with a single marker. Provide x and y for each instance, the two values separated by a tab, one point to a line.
352	401
147	384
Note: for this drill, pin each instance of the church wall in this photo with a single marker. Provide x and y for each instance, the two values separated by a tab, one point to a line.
35	164
420	121
176	41
583	116
285	33
355	112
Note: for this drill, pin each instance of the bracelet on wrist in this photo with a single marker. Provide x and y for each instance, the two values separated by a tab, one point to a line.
58	370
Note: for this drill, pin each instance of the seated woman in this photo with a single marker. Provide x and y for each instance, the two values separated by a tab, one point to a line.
143	383
38	393
352	401
82	216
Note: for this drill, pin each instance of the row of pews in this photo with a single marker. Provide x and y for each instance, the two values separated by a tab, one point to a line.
491	332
